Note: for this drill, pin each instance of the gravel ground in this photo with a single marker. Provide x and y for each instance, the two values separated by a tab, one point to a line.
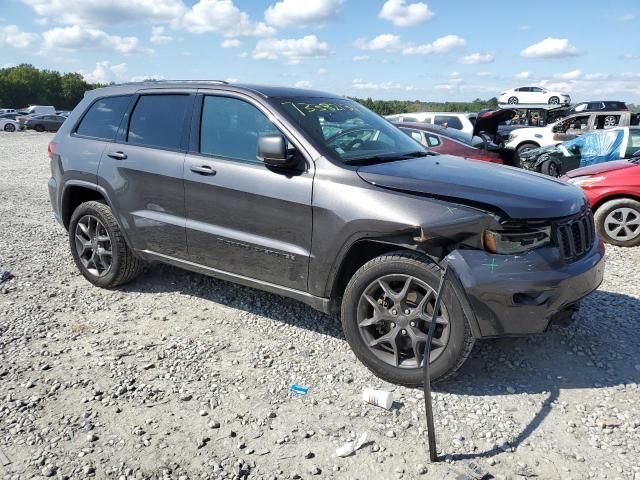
182	376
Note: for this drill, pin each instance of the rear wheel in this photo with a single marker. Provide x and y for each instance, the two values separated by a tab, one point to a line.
386	312
609	121
525	147
9	127
554	101
512	100
98	247
550	167
618	222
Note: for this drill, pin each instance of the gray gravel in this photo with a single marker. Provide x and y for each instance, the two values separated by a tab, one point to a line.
182	376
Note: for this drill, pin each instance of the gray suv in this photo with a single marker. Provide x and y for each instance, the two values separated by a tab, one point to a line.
312	196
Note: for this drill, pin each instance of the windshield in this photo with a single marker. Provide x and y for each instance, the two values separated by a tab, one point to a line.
343	128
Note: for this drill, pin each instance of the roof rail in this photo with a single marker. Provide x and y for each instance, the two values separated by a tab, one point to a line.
168	82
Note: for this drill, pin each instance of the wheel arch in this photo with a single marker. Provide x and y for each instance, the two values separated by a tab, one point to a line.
616	196
525	142
77	192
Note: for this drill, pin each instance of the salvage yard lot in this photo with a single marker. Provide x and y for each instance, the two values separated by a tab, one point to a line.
177	375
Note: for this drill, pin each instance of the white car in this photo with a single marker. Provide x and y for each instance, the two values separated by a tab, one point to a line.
458	121
8	125
567	128
7	110
531	95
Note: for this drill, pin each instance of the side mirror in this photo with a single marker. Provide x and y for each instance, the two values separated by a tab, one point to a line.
273	151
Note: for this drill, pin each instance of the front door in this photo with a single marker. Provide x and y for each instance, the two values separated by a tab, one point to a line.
143	173
242	217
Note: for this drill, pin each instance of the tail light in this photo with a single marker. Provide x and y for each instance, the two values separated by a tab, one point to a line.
51	149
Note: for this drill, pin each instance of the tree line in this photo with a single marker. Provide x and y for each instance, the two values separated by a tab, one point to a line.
26	85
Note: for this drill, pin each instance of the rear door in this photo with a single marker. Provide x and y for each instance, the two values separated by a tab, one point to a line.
143	172
242	217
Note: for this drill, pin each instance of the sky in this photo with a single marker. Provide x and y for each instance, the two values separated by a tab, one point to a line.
438	50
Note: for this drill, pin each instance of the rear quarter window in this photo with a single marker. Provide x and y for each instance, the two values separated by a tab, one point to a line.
450	121
103	118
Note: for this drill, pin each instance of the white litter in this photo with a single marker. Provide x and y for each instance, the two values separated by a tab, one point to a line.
351	447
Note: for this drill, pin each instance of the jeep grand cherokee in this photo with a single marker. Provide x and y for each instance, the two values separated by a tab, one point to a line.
312	196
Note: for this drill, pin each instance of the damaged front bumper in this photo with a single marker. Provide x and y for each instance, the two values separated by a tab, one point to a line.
522	294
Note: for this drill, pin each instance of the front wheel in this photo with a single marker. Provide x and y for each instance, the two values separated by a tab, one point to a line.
554	101
525	147
618	222
9	127
550	167
386	312
512	100
98	247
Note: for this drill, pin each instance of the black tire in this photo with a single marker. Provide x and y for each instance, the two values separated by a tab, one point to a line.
9	127
39	128
460	340
550	167
526	147
512	101
125	266
554	101
604	227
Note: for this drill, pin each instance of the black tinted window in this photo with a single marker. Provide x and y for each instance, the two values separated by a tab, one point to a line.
449	121
157	120
103	118
231	128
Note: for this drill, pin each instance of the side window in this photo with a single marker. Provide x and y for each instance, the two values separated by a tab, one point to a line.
604	122
102	120
580	122
634	143
595	106
449	121
415	134
433	140
536	89
230	128
157	120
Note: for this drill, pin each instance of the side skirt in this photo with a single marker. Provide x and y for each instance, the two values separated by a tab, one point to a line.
318	303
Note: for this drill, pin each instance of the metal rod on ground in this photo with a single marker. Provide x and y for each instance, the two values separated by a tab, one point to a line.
431	432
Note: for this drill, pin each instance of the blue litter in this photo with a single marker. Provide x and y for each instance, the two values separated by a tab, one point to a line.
298	389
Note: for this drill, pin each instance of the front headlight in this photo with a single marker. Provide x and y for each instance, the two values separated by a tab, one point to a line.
513	136
585	180
516	242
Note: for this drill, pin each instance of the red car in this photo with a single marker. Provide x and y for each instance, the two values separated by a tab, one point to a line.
478	146
613	190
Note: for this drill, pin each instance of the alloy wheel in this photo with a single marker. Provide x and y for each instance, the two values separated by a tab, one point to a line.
512	100
9	127
609	121
93	245
623	224
394	314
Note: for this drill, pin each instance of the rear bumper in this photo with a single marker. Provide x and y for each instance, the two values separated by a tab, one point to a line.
521	295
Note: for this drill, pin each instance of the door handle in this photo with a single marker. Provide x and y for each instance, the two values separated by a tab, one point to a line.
203	170
117	155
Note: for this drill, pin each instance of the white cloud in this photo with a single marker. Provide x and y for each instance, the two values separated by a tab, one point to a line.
303	84
41	21
402	15
572	75
298	13
322	71
222	16
524	28
523	75
360	58
100	12
627	17
478	58
159	36
231	43
104	72
386	41
361	84
392	43
484	74
440	45
77	37
12	36
293	49
550	48
142	78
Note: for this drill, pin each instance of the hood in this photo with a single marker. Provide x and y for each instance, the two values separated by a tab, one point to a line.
599	168
519	194
487	121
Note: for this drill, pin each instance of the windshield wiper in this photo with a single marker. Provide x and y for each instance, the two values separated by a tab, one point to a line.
391	157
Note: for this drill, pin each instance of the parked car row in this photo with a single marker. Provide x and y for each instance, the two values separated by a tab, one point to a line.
40	118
